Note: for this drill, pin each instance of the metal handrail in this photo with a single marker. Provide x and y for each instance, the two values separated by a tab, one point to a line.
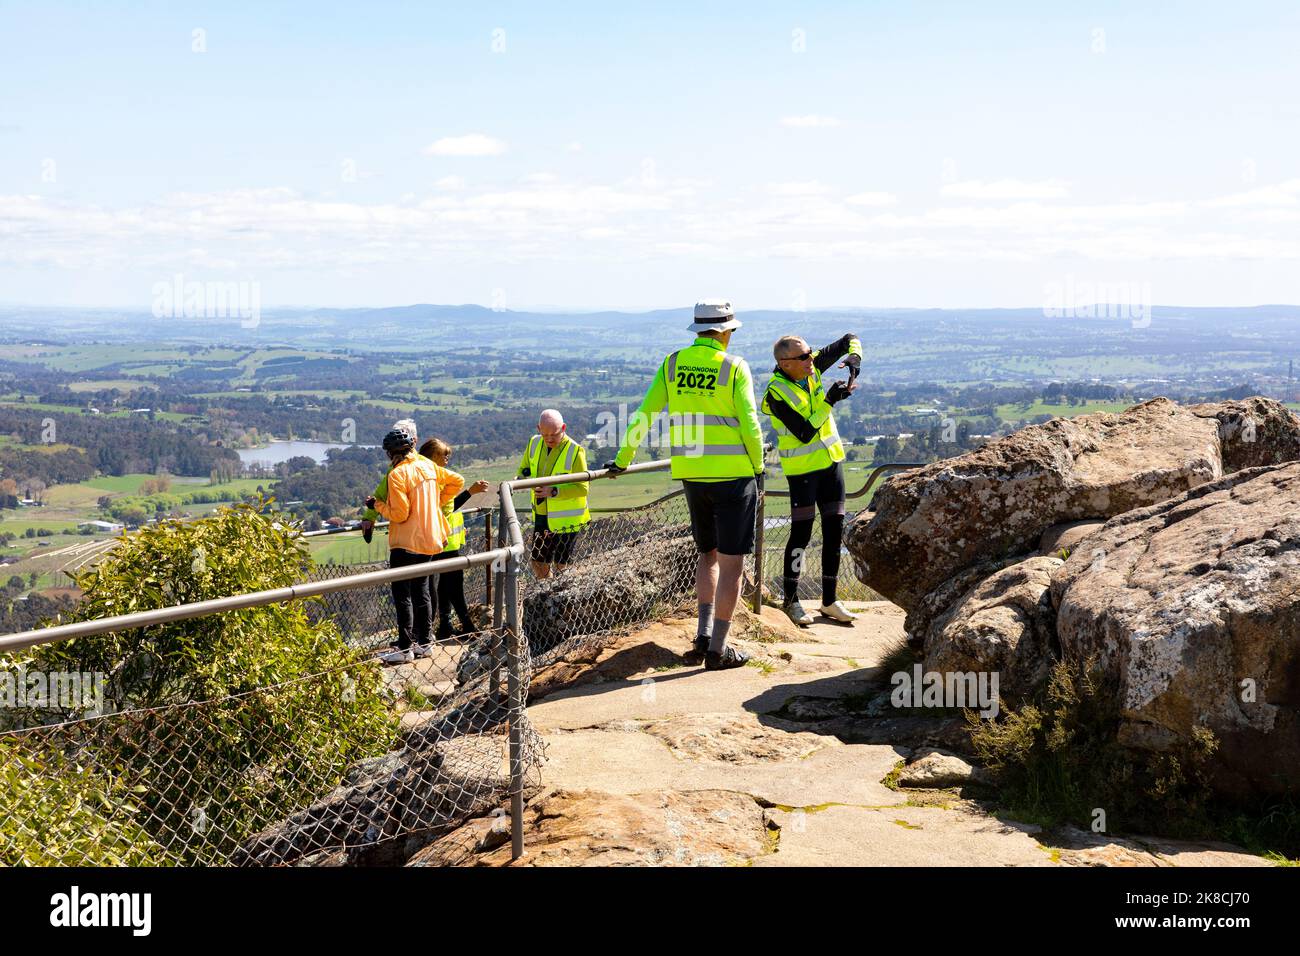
871	478
505	561
238	602
760	551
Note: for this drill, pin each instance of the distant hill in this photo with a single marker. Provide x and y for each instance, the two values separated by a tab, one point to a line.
934	344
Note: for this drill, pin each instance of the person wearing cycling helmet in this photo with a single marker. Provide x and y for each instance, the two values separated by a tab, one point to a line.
417	530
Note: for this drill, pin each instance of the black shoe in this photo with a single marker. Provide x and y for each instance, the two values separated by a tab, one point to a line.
727	659
696	654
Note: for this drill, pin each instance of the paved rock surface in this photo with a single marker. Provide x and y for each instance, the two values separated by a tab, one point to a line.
650	762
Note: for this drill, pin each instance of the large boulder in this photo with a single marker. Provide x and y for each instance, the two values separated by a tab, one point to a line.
608	590
933	522
1003	625
1253	432
1192	610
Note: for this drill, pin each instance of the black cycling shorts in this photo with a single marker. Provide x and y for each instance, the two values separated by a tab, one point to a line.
722	514
817	491
550	547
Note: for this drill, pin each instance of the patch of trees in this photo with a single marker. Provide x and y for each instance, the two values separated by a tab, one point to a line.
335	488
31	612
116	446
1078	392
61	467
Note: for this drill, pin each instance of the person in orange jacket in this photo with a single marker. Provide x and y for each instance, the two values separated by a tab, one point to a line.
417	531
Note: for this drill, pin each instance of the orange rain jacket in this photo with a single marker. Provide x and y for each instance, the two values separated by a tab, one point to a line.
417	490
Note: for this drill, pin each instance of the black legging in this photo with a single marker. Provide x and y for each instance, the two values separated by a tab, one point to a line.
412	600
451	595
800	535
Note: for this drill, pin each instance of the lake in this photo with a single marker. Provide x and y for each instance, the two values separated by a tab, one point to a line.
279	451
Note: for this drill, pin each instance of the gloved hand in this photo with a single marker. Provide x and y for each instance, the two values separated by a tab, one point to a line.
852	361
613	469
837	393
367	530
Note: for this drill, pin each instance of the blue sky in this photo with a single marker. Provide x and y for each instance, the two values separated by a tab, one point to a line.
891	154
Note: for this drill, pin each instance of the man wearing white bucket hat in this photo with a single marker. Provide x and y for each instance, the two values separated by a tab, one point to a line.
717	452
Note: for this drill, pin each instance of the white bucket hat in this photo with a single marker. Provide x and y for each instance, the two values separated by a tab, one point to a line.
714	315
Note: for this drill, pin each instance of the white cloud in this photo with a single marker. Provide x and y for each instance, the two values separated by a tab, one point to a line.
471	144
809	187
810	121
1007	189
1277	194
872	199
550	218
574	147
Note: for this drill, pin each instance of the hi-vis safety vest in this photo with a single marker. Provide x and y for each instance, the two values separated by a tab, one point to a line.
798	458
704	430
456	521
567	510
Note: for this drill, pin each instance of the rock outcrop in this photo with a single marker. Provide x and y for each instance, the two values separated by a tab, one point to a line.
655	828
609	590
1192	610
1253	432
1068	537
932	523
1004	624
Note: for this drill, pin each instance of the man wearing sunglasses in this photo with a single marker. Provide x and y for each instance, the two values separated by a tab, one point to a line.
811	453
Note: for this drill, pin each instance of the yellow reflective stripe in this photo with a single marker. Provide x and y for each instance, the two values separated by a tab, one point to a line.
790	398
817	444
572	513
724	371
698	451
696	419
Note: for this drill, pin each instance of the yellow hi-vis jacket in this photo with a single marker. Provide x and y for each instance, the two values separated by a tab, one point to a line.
456	524
714	430
566	508
798	458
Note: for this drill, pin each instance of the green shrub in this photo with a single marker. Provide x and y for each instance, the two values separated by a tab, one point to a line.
281	705
1057	759
55	812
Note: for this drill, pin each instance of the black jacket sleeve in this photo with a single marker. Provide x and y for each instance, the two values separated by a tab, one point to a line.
828	356
791	419
460	500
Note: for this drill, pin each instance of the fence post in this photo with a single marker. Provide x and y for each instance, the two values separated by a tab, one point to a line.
759	522
514	657
496	569
487	546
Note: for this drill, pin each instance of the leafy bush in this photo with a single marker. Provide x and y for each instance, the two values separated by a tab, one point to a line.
55	812
281	706
1057	759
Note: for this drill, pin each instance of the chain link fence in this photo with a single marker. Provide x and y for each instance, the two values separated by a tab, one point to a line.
358	763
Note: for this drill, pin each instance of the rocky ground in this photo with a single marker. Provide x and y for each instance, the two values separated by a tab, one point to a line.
785	762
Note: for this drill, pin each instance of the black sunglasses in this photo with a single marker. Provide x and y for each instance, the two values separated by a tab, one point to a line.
798	358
